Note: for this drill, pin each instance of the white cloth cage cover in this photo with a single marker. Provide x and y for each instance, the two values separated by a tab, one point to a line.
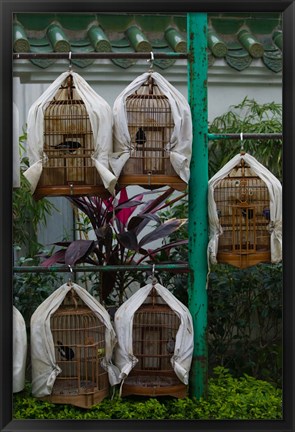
180	145
100	115
275	195
44	366
123	323
19	351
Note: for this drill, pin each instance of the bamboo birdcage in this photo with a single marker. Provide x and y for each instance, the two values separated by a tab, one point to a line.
150	125
68	145
243	208
79	341
154	330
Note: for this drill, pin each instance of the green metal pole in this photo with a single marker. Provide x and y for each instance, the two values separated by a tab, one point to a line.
198	223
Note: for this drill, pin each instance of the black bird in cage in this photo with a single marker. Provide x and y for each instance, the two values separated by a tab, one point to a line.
266	213
170	346
66	352
140	137
247	213
71	146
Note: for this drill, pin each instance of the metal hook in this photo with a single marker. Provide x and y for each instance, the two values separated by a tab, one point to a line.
70	61
154	280
151	61
242	143
71	272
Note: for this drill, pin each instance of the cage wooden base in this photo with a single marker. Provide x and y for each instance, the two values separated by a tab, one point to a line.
133	173
243	260
68	190
152	181
150	385
67	394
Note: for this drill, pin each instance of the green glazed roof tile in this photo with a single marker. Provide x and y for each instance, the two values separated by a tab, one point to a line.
239	60
123	48
163	63
236	38
273	60
82	63
41	45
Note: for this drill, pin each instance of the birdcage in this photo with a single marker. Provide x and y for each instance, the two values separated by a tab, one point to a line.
154	330
150	125
243	207
79	344
68	168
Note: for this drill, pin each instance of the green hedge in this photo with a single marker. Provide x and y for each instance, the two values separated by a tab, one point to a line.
242	398
245	320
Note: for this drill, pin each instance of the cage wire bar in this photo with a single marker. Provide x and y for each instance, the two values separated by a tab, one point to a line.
198	235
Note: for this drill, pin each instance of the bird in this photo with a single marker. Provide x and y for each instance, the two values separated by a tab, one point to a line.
101	352
248	213
66	352
71	146
266	213
140	137
170	345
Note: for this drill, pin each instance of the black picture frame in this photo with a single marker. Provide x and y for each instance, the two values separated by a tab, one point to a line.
168	6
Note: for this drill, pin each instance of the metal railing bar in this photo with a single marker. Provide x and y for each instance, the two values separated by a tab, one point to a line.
237	136
99	268
98	55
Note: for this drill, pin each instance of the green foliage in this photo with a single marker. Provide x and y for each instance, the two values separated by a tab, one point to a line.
27	213
228	398
242	398
31	289
245	320
251	117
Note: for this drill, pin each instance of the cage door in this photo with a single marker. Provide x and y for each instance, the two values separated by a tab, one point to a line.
244	228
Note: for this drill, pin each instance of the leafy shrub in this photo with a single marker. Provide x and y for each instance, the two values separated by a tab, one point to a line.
31	289
242	398
245	320
248	117
27	213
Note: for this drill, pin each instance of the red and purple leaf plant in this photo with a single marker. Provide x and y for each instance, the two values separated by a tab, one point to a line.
121	235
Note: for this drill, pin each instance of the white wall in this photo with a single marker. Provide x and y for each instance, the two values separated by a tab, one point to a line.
226	86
